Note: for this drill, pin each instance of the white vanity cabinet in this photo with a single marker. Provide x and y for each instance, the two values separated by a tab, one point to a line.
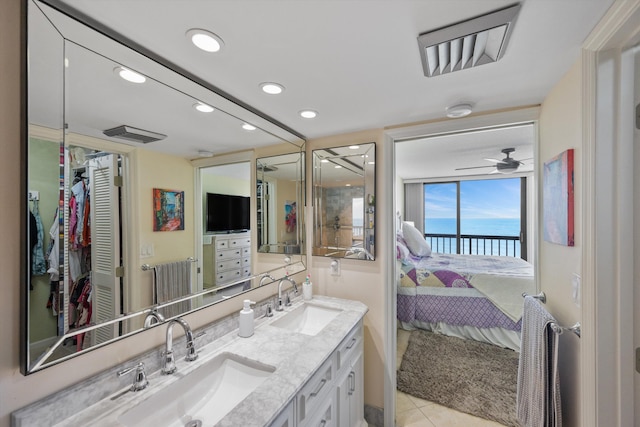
287	418
334	396
227	258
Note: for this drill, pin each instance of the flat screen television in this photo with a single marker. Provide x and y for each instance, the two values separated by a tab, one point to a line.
227	213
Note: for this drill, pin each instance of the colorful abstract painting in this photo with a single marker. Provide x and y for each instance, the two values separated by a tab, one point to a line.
557	199
168	210
290	216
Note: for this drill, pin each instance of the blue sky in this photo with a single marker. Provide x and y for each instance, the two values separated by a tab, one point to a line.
491	198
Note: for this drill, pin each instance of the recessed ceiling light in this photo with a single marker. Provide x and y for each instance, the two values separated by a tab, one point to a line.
347	185
271	88
247	126
354	147
130	76
202	107
308	114
324	161
205	40
459	110
371	163
338	167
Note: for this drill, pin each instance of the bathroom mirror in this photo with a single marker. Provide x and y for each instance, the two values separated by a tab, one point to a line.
110	169
279	182
344	202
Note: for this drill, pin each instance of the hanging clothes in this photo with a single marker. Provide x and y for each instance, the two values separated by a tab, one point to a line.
38	266
53	253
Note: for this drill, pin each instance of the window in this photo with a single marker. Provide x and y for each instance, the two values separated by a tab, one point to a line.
480	217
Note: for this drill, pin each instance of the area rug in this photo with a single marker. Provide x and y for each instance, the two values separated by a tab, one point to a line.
468	376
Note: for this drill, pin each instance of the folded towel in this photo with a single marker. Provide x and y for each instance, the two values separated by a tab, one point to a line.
538	390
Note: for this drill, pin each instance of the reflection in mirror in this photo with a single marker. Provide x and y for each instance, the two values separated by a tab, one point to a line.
280	181
102	204
344	201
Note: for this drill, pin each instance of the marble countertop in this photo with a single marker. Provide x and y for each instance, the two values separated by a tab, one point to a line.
294	355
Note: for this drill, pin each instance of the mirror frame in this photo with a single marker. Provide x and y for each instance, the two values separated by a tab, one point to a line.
229	105
368	182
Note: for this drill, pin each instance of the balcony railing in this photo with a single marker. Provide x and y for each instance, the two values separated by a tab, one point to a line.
474	244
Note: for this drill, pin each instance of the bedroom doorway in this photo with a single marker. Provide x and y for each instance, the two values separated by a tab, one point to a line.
435	152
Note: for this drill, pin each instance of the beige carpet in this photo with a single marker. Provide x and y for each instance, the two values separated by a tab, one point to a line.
477	378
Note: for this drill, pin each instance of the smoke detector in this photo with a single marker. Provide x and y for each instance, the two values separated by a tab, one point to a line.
134	134
477	41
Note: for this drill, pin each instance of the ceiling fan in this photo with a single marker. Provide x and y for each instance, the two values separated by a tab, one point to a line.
506	165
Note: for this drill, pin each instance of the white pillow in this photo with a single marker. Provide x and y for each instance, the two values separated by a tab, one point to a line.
415	240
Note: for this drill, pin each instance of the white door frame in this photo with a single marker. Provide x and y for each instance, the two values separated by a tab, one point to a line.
608	252
524	115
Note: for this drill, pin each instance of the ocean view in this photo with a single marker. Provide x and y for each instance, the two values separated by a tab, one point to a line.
475	226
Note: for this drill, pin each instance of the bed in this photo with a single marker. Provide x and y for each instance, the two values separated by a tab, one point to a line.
469	296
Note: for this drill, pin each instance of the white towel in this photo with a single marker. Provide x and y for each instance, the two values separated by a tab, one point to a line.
538	391
173	280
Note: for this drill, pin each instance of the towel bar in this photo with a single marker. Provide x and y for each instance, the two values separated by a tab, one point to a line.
576	329
146	267
560	329
540	297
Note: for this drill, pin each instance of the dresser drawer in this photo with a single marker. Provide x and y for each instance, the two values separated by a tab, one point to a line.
228	276
222	243
246	261
240	242
228	254
228	265
246	251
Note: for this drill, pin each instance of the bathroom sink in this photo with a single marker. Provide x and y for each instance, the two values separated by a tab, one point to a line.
203	396
307	319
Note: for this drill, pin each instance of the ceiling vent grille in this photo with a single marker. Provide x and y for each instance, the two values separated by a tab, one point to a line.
134	134
468	44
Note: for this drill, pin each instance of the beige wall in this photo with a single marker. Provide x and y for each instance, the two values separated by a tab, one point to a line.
359	280
168	173
560	129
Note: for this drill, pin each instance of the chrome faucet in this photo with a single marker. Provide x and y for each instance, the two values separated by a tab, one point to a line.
264	278
280	305
169	366
140	381
154	317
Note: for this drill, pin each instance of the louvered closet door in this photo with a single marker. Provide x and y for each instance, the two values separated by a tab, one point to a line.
105	245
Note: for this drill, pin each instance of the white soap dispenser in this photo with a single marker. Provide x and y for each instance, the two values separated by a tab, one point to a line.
245	320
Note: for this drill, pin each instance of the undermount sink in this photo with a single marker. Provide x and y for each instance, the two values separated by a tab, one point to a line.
206	394
307	319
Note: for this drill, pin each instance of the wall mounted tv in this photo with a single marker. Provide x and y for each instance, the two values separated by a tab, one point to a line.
227	213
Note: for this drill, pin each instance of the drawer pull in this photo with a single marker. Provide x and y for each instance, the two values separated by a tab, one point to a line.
352	343
352	380
322	383
323	423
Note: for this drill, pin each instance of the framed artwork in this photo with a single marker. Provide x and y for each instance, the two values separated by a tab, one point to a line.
168	210
557	199
290	214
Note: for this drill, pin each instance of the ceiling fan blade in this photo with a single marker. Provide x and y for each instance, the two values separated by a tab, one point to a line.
475	167
494	160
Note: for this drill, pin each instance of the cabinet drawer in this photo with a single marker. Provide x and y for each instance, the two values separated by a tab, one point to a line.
246	261
227	276
222	244
349	346
246	251
228	265
228	254
240	242
317	390
325	416
246	271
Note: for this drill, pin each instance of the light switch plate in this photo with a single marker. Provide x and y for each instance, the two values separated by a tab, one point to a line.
576	289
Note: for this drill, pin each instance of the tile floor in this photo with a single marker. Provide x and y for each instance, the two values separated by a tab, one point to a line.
412	411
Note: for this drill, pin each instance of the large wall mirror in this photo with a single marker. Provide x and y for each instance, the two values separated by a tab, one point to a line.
116	193
344	201
279	190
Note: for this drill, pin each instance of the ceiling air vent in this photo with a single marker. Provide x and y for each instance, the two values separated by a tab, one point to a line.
468	44
134	134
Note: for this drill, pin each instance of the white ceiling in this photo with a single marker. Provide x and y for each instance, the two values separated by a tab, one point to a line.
356	62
